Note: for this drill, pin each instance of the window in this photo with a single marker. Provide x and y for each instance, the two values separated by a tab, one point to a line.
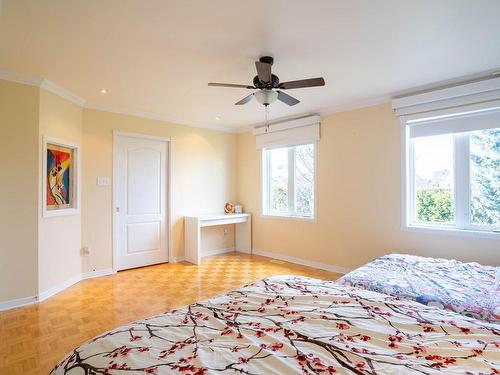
454	180
450	156
288	181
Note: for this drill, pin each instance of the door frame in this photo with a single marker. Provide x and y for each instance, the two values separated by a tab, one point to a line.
168	176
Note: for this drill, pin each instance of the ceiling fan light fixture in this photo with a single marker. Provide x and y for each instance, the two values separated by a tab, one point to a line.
266	97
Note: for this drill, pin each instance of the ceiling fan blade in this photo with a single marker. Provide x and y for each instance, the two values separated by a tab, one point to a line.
263	71
231	85
245	100
287	99
310	82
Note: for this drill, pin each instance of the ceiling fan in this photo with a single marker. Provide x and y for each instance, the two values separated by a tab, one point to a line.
269	86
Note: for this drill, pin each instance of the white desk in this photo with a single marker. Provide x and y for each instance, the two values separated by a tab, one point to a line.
192	232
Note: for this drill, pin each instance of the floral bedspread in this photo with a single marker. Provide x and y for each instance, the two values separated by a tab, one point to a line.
467	288
295	325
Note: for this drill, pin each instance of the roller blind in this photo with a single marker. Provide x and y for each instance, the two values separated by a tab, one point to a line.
455	124
289	133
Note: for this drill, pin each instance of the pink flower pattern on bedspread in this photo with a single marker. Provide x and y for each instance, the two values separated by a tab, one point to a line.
294	325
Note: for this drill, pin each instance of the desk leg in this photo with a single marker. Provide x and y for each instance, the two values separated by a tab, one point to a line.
243	236
192	239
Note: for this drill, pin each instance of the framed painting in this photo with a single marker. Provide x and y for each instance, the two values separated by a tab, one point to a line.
60	177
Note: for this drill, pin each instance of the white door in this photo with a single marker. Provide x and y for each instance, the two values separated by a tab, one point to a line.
141	201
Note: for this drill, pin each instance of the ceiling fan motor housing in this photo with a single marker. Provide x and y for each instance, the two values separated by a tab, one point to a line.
266	85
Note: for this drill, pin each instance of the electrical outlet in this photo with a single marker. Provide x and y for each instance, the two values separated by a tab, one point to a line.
103	181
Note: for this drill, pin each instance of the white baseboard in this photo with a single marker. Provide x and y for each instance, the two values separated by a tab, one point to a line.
209	253
42	296
10	304
97	273
303	262
244	251
13	303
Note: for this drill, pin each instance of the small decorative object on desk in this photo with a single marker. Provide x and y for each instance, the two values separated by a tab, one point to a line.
229	208
238	209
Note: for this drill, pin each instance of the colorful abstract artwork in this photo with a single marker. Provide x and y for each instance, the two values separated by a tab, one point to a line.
59	175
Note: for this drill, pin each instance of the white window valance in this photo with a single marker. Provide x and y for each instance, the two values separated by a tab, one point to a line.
288	133
461	108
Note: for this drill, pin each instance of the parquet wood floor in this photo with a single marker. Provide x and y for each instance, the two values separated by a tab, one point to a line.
33	338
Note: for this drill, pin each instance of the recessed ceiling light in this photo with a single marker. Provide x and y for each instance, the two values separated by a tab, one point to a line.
217	118
103	91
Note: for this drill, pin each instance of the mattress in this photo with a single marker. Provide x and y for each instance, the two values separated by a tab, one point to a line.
294	325
470	289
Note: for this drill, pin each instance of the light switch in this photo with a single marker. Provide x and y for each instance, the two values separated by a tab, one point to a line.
103	181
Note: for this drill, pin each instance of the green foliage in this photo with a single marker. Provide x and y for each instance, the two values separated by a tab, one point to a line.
435	205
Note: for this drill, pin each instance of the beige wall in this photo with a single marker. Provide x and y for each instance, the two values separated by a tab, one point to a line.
38	254
215	238
358	199
59	238
358	192
203	178
18	190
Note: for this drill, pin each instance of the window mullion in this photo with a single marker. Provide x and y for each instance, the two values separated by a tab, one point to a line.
411	194
291	181
265	181
462	184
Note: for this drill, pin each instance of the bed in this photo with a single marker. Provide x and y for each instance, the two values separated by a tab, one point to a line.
467	288
294	325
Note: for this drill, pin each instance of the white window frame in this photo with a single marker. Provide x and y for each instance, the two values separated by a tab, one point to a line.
265	193
461	173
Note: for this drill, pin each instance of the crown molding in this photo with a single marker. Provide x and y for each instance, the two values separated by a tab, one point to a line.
357	104
42	83
54	88
157	117
368	102
20	78
72	97
62	92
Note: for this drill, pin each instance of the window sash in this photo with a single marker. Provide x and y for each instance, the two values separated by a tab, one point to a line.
462	188
266	183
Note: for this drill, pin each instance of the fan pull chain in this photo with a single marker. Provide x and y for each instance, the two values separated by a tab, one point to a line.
267	118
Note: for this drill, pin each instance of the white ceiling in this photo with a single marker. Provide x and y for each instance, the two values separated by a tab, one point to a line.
157	56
